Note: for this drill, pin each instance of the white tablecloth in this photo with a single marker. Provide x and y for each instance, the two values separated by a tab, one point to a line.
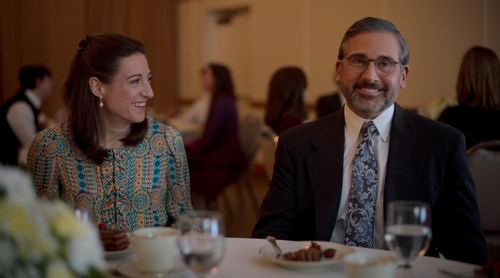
242	260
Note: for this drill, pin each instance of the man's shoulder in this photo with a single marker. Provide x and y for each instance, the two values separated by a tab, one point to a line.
425	126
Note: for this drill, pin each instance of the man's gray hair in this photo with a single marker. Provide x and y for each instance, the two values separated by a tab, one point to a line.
373	24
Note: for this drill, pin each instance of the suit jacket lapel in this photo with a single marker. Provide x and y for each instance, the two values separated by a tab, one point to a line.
406	158
325	167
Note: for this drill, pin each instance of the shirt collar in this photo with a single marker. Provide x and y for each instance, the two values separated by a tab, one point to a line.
382	122
33	98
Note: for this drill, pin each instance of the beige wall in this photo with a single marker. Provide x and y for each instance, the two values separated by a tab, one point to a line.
48	32
307	33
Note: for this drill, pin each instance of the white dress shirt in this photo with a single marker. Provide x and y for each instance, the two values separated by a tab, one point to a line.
381	142
20	117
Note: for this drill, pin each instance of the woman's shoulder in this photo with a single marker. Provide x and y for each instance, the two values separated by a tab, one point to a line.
52	141
59	132
156	127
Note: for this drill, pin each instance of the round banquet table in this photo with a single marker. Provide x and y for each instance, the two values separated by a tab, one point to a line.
242	260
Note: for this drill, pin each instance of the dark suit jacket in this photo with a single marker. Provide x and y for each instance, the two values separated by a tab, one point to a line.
426	161
328	104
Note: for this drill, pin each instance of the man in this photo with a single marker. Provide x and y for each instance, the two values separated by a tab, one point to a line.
328	104
19	116
315	189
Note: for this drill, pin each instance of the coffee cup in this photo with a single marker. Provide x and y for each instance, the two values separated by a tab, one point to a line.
369	265
155	248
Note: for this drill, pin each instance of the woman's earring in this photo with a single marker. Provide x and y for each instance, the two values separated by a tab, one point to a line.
100	102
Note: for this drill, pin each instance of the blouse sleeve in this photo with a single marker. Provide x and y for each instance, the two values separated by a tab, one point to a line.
179	199
43	166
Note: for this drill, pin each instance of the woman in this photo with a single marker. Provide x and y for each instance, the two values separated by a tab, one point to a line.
131	170
478	94
285	99
216	159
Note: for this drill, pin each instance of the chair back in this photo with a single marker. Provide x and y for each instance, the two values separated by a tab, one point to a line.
250	130
268	147
484	163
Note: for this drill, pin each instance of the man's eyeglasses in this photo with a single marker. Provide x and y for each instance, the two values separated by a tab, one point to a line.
384	65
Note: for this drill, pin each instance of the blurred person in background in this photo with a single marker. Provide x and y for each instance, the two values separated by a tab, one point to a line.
109	157
191	122
329	103
20	116
216	159
477	114
285	99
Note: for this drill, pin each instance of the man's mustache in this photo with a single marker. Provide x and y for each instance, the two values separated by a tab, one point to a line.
369	85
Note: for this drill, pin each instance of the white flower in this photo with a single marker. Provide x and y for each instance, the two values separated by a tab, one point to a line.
58	269
17	184
39	238
85	251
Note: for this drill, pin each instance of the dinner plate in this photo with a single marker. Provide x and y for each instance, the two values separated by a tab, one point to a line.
130	269
120	254
268	253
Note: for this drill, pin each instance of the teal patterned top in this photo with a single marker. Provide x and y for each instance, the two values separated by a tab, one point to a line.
137	186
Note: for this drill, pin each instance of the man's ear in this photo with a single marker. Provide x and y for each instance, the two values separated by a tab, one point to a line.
96	87
338	70
404	76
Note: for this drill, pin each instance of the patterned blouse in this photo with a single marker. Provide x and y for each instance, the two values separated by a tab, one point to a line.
137	186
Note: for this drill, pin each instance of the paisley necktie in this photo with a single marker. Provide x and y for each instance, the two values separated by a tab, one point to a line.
363	192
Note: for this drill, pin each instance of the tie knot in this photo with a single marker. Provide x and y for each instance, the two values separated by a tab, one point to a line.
369	129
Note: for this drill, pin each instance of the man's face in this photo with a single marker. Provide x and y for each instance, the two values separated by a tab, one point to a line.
44	85
369	91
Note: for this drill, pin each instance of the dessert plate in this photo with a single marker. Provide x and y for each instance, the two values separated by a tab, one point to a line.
268	253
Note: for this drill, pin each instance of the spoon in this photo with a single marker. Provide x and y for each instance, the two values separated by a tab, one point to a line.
272	240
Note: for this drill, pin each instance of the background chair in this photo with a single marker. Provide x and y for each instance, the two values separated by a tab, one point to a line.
484	163
250	134
268	148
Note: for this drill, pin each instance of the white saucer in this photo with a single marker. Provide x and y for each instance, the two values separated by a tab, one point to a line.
117	255
130	269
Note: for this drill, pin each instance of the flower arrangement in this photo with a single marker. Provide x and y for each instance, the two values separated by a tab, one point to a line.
39	238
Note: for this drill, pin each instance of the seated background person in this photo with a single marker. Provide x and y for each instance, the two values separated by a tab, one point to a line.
285	99
216	159
20	116
191	122
477	114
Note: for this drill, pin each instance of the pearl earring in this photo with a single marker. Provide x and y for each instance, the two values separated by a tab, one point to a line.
100	102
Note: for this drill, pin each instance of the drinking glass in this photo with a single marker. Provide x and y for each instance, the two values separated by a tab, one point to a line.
85	214
408	230
201	243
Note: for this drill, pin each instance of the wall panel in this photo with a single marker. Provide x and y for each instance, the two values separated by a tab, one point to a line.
48	32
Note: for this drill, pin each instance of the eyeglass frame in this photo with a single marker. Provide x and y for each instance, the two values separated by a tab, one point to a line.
367	61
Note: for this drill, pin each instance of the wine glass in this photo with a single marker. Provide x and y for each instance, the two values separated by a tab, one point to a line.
201	243
85	214
408	230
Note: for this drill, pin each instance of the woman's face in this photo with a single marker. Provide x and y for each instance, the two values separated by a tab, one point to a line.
125	98
207	79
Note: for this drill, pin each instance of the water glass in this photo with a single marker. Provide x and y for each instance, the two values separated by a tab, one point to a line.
85	214
408	230
201	243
